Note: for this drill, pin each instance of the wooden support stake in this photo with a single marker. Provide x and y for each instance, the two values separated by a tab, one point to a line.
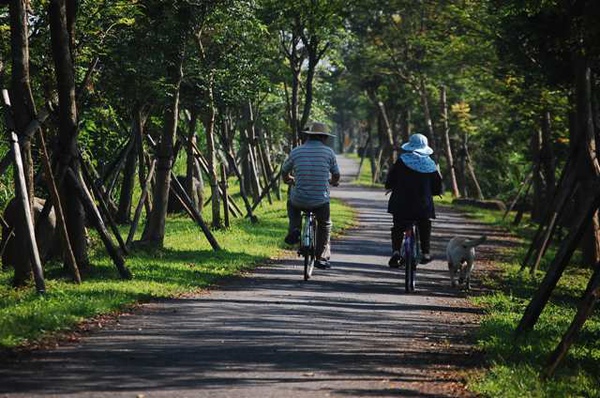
103	206
236	170
60	216
233	207
185	200
525	183
94	214
542	295
585	309
140	206
267	188
38	273
225	196
97	182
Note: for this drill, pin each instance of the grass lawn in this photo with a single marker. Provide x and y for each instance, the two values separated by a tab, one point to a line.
513	365
185	265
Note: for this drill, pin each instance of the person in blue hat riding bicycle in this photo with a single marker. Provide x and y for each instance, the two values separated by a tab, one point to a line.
413	181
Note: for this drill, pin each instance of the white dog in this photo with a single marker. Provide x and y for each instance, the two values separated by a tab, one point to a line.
460	253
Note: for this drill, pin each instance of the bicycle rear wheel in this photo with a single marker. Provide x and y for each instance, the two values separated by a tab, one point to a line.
410	266
309	251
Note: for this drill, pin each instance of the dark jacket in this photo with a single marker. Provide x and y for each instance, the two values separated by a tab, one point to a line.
412	192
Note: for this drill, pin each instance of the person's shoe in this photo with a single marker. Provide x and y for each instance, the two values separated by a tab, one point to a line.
425	258
293	237
395	260
322	264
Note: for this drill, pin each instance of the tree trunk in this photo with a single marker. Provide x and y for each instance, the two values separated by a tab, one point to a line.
123	215
447	146
68	132
154	232
194	183
427	114
462	170
23	111
209	127
588	167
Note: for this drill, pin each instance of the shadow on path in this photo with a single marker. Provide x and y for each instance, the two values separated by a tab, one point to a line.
349	331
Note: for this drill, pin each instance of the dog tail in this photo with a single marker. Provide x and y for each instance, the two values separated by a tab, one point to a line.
475	242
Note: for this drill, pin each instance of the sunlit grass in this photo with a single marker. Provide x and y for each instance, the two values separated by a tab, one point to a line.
514	364
186	265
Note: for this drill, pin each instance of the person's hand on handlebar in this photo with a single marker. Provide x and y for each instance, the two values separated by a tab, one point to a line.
289	179
335	180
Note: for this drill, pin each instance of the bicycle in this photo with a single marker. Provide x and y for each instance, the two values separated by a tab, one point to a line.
308	242
411	254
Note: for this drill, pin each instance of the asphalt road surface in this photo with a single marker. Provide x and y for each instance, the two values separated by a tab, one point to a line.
349	331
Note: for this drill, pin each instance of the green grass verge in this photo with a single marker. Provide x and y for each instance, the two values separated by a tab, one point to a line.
185	265
514	365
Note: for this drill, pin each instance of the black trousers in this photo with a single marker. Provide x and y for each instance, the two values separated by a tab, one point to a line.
400	225
322	214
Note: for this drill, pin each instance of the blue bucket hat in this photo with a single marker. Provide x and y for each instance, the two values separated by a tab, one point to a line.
417	143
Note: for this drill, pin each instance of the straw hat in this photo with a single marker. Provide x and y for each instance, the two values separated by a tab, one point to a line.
318	128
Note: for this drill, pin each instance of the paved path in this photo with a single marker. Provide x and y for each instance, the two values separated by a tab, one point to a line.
350	331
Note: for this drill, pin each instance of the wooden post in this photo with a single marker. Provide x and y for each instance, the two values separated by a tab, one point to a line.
60	216
93	212
103	206
140	206
225	198
233	208
524	184
187	203
96	181
542	295
38	273
267	189
585	309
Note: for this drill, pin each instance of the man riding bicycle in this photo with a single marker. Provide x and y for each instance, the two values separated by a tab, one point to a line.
413	181
308	169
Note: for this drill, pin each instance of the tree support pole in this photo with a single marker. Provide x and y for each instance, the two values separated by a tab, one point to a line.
585	309
187	203
140	206
34	254
103	205
60	215
93	212
542	295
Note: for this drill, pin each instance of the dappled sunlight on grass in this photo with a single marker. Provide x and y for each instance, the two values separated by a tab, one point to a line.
186	264
514	363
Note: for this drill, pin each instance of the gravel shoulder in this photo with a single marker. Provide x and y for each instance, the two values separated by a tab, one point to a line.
349	331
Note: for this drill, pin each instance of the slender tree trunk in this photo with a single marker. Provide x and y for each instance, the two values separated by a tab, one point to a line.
427	114
123	215
447	146
67	116
405	123
154	232
589	167
194	183
462	174
209	126
23	109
